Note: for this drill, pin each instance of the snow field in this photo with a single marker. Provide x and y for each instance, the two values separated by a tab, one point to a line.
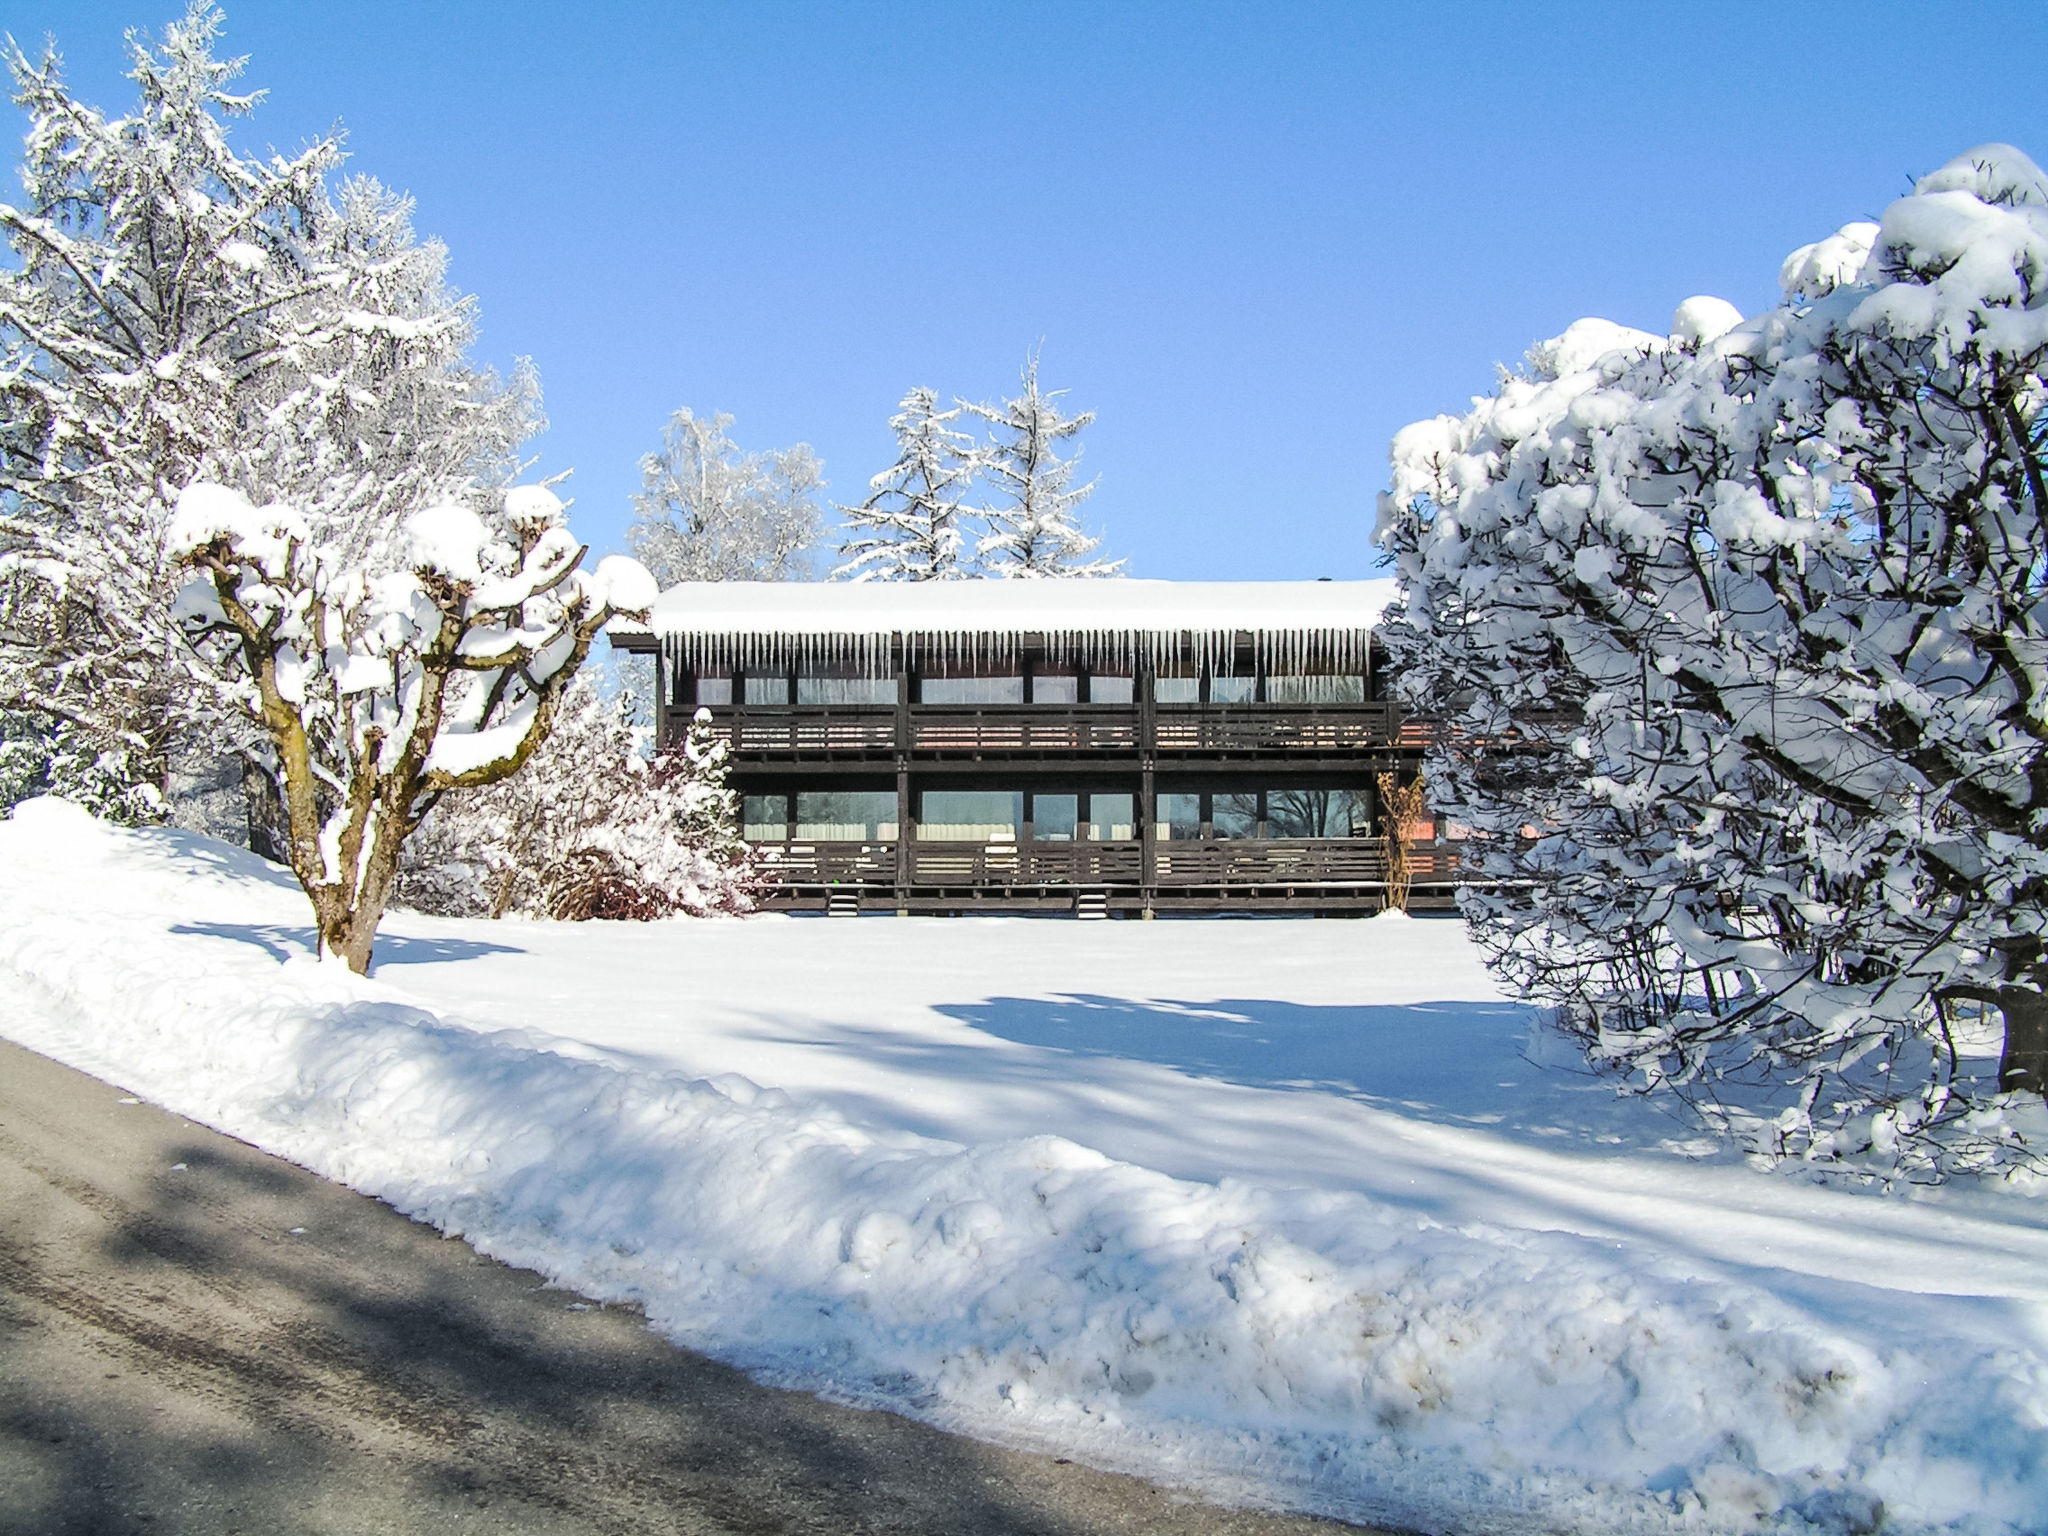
1310	1345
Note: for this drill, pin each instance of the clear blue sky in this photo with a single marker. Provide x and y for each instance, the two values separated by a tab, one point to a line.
1257	239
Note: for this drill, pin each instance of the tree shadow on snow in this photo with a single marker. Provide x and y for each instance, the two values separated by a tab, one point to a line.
283	941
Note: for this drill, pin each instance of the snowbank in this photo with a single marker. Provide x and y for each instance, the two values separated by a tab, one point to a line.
1316	1347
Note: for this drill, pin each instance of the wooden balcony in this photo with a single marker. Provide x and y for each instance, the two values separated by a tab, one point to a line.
940	731
999	867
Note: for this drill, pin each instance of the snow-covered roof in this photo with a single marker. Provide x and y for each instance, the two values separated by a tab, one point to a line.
1089	620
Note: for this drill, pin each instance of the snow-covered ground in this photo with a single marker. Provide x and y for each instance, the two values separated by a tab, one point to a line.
1298	1212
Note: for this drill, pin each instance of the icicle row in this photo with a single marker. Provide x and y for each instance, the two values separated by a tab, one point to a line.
1290	652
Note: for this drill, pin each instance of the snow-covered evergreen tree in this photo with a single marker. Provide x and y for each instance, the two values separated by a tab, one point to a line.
175	311
708	512
382	691
590	828
1031	527
908	529
1743	636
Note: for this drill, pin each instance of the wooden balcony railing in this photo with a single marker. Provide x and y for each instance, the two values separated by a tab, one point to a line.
946	729
1210	864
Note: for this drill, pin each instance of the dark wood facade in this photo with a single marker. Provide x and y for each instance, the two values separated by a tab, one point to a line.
1233	785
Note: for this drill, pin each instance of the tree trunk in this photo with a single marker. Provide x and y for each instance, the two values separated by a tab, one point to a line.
2023	1062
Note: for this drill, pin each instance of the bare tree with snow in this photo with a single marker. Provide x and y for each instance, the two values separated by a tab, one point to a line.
1744	632
177	310
382	691
708	512
1032	530
908	529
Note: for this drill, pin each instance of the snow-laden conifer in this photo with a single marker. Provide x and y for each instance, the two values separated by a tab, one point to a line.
909	529
1031	526
591	827
1739	641
381	691
178	310
708	512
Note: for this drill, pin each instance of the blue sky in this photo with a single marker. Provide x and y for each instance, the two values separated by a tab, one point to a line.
1256	239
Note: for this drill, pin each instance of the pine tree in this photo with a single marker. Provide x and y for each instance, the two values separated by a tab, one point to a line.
708	512
1031	527
908	529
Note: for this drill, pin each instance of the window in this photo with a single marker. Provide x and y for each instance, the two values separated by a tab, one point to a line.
1054	818
1109	690
846	815
846	690
1055	689
1231	690
767	690
1176	690
714	692
1318	813
764	818
1111	818
1178	818
1236	815
971	816
1316	688
971	690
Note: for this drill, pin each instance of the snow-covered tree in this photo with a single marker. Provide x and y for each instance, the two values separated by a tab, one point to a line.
1739	641
1031	527
591	827
708	512
177	310
382	691
908	529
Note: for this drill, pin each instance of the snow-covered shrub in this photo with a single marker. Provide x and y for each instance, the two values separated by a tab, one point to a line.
382	691
40	755
1739	641
175	310
590	828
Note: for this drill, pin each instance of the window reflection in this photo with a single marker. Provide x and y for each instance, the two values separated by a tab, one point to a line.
1112	818
714	692
846	690
971	690
1316	688
1109	690
767	690
1054	817
1318	813
1232	690
1236	815
972	816
846	815
1055	689
764	818
1176	690
1177	818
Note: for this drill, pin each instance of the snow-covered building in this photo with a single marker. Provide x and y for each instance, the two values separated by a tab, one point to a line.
1092	746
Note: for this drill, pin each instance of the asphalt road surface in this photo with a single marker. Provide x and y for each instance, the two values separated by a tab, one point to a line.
196	1337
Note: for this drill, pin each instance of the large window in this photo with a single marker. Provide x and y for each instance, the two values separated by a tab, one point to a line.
1235	815
1055	688
1112	818
1177	818
1177	690
764	818
1109	690
714	690
1232	690
846	815
971	690
767	690
971	816
845	690
1316	688
1318	813
1054	818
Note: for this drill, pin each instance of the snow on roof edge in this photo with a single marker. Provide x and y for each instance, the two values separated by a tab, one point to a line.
1115	605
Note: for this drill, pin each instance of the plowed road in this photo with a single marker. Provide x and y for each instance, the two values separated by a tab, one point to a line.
198	1338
